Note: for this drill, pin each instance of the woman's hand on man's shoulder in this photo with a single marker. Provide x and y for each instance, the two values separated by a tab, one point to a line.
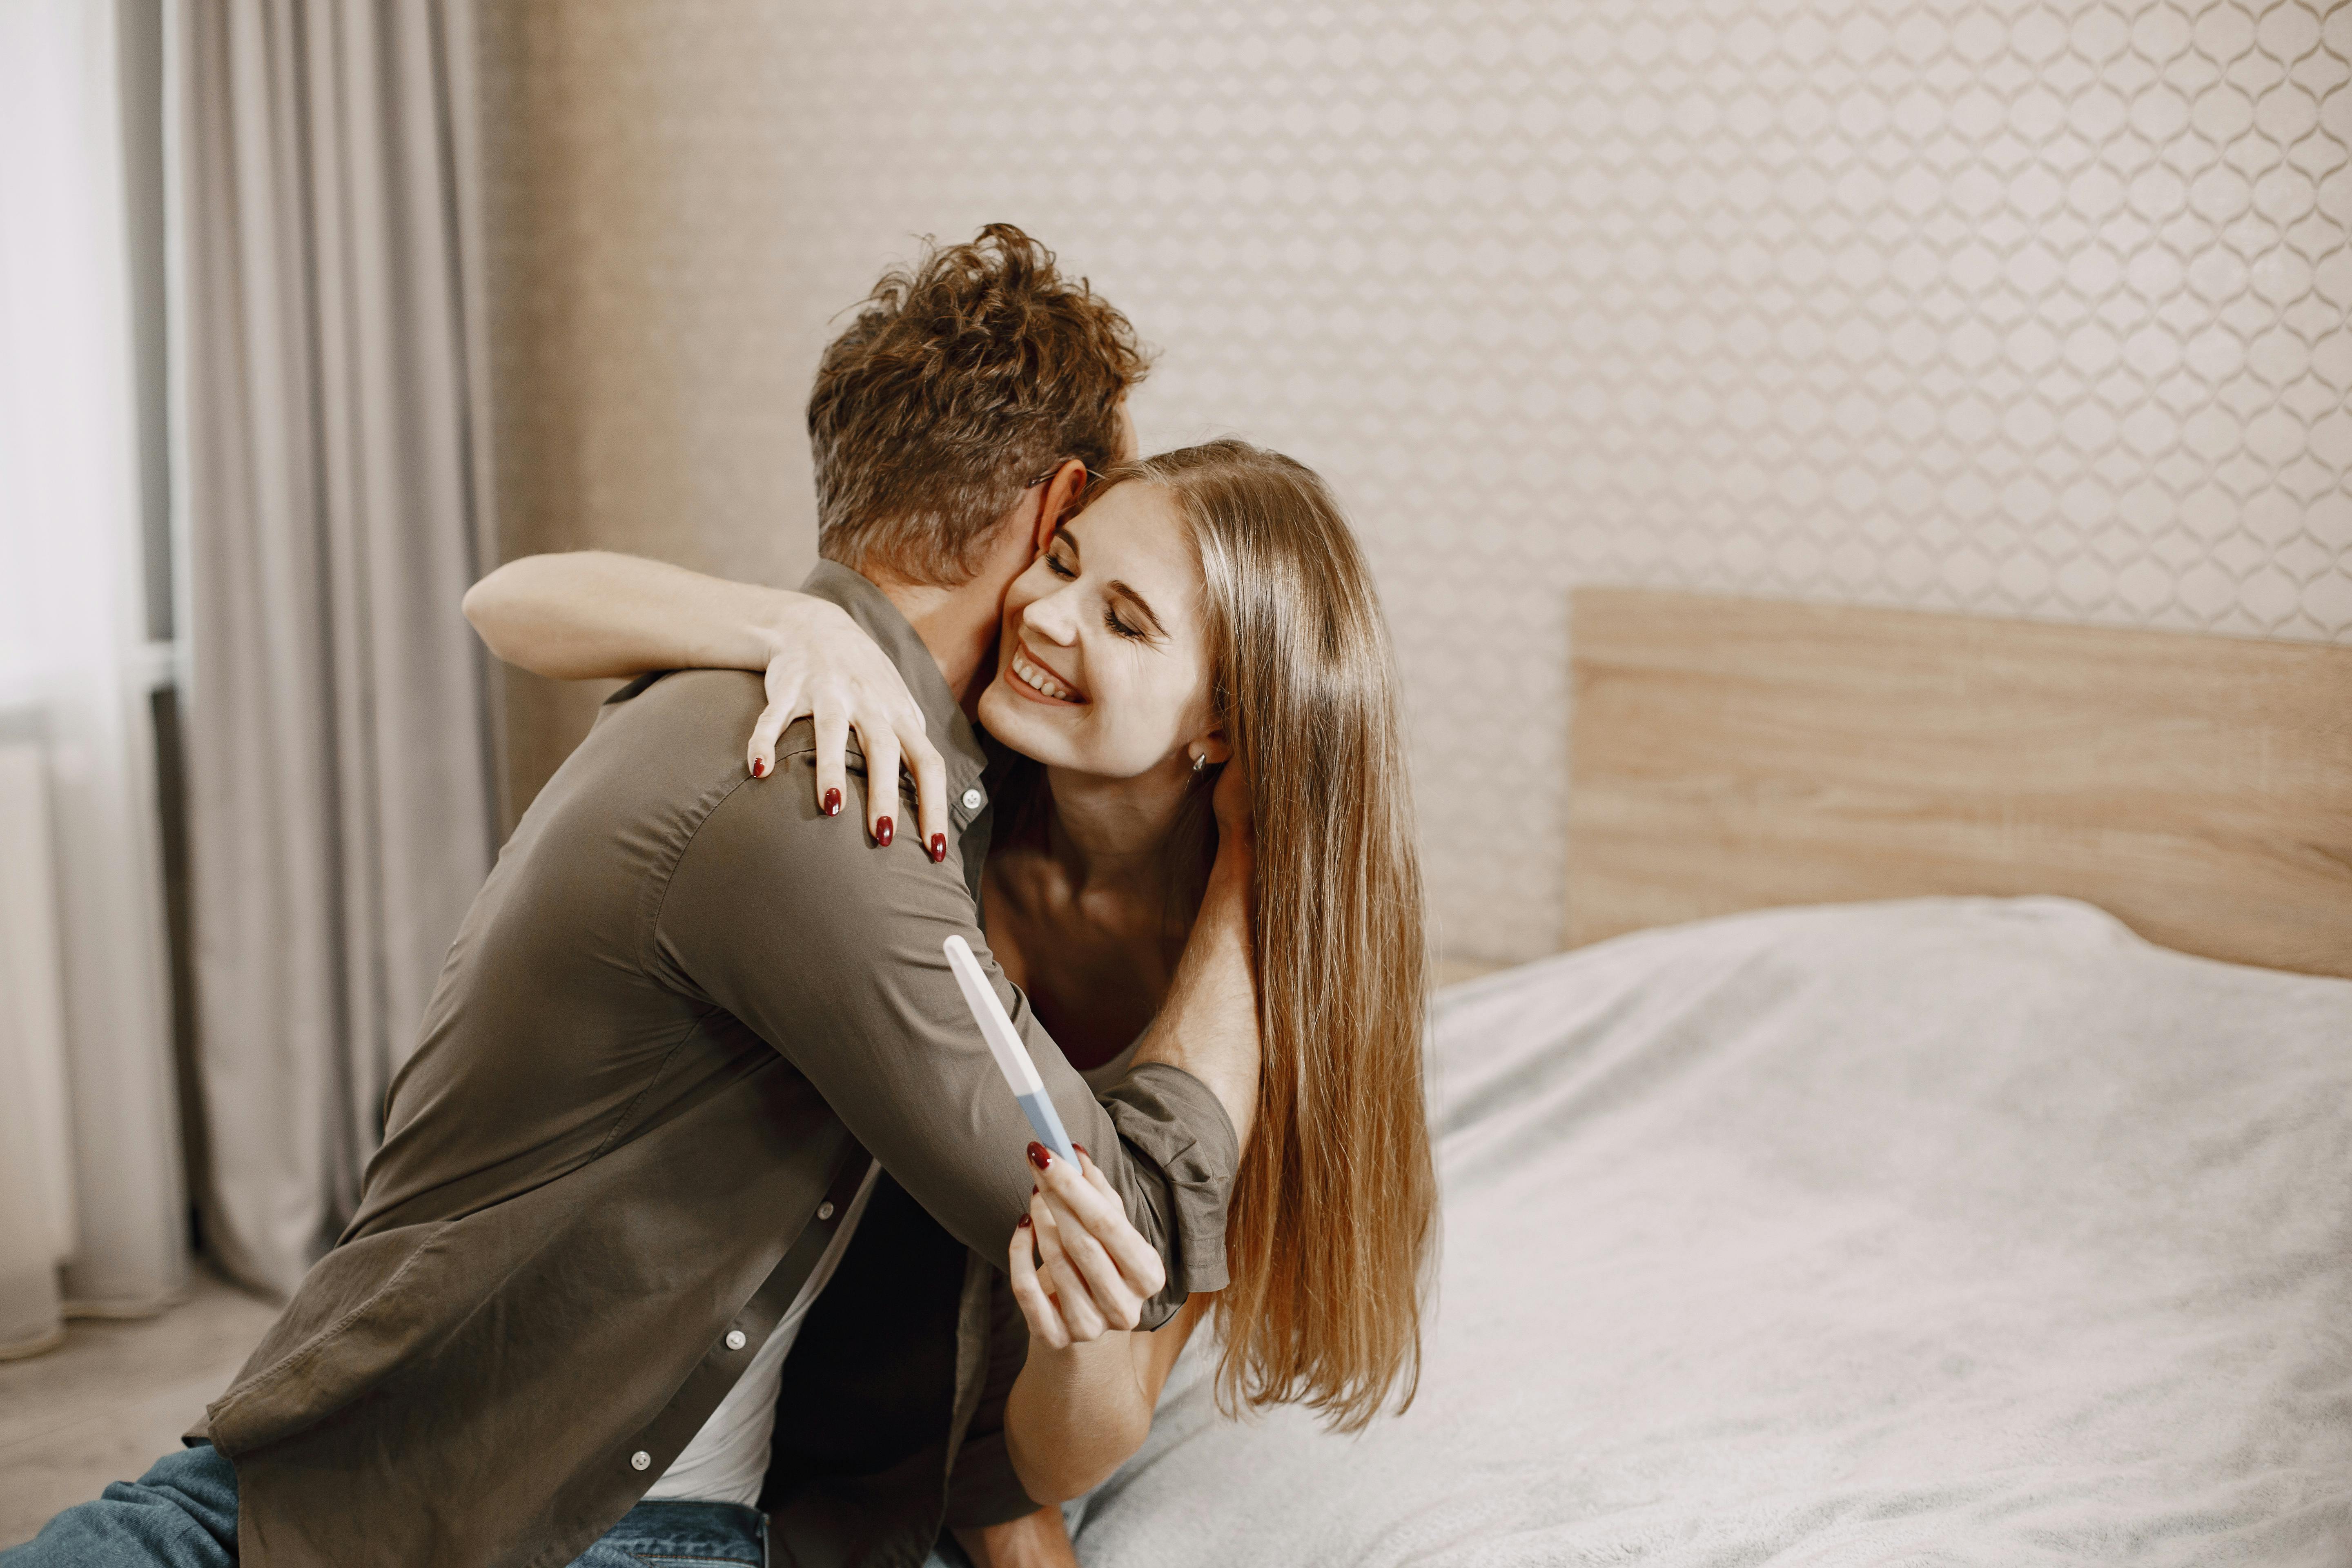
822	666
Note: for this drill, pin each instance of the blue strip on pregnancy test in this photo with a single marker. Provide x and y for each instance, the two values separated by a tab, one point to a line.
1042	1115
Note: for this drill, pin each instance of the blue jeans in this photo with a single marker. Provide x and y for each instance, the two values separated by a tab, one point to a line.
182	1514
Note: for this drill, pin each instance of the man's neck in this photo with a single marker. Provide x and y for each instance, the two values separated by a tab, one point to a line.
958	629
959	625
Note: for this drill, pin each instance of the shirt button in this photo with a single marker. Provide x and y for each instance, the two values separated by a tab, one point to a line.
735	1341
824	1211
641	1461
971	799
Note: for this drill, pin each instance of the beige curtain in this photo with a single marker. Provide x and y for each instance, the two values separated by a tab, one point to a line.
90	1151
340	756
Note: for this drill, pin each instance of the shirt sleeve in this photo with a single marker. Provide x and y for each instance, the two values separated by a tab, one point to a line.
832	949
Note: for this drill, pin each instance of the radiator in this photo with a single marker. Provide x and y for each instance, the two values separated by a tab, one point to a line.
37	1195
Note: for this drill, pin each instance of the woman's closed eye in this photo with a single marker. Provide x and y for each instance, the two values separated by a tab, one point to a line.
1111	622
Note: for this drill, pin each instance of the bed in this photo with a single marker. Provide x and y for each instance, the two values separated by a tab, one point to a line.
1864	1226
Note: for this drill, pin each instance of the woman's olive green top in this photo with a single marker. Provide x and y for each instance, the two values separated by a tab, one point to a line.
682	1010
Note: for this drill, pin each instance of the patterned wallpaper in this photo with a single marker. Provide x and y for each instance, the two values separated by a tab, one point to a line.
2020	308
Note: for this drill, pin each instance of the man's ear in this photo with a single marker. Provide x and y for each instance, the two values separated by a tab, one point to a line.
1063	492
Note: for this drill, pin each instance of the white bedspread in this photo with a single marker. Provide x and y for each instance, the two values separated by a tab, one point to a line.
1953	1231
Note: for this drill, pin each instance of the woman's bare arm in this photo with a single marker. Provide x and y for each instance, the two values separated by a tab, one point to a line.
1040	1540
1085	1396
586	613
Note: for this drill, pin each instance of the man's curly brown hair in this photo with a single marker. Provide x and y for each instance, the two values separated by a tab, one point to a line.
960	380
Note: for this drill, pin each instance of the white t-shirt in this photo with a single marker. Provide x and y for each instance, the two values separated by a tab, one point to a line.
728	1459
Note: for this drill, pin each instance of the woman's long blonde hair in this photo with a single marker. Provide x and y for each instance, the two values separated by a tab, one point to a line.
1328	1236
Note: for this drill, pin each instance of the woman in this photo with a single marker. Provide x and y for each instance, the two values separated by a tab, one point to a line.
1199	648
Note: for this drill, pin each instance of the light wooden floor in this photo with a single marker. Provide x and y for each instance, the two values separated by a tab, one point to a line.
115	1396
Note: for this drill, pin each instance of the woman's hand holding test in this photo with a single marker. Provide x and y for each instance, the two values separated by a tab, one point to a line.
1080	1270
1081	1273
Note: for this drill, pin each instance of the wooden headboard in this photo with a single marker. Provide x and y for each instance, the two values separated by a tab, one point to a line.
1731	754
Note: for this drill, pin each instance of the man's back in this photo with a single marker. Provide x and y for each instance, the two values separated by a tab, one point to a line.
556	1031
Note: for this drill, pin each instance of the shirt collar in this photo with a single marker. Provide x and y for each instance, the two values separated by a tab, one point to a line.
943	717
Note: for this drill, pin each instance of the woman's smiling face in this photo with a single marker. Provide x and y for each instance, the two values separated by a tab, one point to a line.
1103	664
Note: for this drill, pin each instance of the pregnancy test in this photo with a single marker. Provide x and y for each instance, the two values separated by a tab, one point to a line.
1011	1056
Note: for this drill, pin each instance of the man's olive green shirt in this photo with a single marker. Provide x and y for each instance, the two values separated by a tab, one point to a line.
681	1013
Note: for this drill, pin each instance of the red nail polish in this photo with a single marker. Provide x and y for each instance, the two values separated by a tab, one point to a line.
1023	1225
833	802
939	847
1040	1156
1081	1148
883	828
758	768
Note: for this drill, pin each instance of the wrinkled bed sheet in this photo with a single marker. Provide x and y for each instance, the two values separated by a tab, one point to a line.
1941	1232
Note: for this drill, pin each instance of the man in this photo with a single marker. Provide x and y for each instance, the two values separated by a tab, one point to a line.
684	1011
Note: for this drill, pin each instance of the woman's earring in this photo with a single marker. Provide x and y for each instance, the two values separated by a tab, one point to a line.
1200	761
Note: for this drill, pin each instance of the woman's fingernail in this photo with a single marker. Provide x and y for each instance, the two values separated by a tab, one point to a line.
1081	1148
939	847
883	828
1040	1156
758	768
833	802
1023	1225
